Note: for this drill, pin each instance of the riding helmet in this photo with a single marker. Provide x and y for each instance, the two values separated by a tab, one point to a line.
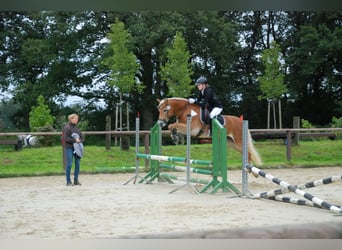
201	79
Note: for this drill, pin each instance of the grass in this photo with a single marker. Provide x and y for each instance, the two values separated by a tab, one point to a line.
48	160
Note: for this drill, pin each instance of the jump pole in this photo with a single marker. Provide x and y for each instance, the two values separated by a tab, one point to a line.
187	161
155	149
219	152
245	190
137	144
184	169
314	201
170	177
296	190
311	184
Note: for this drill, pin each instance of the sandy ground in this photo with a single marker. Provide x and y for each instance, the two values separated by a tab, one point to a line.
44	207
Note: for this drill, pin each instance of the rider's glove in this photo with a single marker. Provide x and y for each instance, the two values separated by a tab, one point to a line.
191	100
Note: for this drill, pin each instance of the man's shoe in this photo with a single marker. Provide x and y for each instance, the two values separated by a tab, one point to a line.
76	182
69	184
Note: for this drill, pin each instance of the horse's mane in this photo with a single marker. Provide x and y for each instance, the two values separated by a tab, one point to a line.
173	99
178	98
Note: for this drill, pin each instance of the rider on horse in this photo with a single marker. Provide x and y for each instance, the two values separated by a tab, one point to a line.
207	99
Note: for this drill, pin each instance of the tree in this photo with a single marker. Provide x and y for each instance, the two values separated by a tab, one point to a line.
177	71
314	65
122	64
58	54
40	115
41	120
7	109
271	83
54	54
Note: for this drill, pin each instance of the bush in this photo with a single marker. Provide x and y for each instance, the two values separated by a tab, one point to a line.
40	116
306	124
337	123
46	140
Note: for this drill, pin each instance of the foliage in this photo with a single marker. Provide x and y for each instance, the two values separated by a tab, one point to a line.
60	54
272	82
313	62
123	63
337	123
7	109
306	124
41	120
45	140
40	115
177	71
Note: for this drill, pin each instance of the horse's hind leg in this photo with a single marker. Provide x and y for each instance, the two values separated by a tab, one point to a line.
177	137
178	131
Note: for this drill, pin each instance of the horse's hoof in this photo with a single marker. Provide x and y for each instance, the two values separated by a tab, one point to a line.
175	141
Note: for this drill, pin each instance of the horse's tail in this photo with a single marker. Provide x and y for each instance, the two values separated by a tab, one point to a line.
254	155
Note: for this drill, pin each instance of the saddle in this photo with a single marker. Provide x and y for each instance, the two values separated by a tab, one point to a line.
205	117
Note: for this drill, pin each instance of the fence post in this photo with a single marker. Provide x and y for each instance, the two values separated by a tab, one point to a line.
108	128
288	146
296	124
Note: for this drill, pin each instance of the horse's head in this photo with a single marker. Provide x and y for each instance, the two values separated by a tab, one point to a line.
164	112
171	107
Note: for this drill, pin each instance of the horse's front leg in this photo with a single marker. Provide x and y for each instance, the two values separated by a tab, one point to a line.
179	127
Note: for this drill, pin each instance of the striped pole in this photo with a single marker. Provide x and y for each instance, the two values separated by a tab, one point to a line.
292	200
173	159
323	181
183	168
310	184
296	190
193	180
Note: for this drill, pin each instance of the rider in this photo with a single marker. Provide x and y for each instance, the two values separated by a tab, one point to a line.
207	99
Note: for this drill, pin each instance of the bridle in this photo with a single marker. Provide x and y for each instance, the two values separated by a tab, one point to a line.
166	112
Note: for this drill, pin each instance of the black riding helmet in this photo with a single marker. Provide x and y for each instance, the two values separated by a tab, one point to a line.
200	80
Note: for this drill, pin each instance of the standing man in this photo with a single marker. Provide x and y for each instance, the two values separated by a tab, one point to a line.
72	134
207	99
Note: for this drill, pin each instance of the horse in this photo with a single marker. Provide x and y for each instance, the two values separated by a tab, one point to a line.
180	108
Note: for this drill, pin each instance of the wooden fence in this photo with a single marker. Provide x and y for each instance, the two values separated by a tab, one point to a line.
291	135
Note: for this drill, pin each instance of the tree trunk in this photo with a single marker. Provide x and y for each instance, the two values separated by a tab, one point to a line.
280	115
268	114
274	115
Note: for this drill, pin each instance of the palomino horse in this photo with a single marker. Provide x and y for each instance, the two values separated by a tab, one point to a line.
180	108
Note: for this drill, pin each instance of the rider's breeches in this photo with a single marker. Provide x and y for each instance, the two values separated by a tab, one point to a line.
215	112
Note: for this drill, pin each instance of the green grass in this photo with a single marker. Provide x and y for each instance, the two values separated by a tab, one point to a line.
48	160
